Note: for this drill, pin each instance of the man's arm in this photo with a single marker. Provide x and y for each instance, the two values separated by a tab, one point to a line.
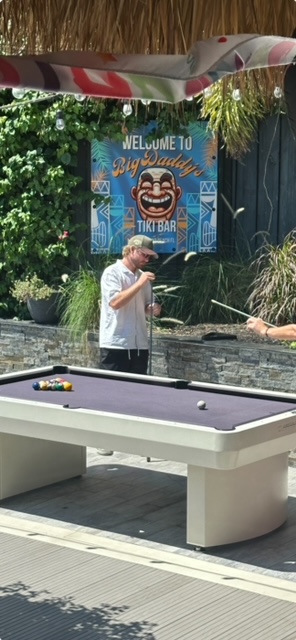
286	332
123	297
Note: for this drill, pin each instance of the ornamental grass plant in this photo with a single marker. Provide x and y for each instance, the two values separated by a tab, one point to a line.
80	303
273	295
208	278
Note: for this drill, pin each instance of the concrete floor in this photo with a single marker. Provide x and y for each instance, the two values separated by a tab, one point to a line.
126	498
105	557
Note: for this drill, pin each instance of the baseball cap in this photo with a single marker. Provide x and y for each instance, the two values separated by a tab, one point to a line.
143	242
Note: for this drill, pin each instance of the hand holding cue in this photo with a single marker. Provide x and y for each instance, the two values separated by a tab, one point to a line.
242	313
151	332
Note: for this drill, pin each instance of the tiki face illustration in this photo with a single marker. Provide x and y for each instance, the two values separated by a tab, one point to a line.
156	194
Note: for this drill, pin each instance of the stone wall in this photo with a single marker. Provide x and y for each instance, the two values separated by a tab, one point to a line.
24	345
267	366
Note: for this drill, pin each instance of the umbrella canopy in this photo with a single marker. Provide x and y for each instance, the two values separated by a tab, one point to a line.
135	26
163	78
163	50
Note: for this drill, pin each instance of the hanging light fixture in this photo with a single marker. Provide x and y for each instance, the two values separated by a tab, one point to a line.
146	102
79	97
236	95
127	109
208	92
60	122
18	94
277	93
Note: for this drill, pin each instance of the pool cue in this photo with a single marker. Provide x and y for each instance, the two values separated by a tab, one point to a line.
150	332
187	256
242	313
148	459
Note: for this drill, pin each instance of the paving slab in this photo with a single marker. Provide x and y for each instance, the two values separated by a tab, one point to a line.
105	556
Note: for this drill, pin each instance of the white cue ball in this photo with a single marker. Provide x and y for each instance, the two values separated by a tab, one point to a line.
201	404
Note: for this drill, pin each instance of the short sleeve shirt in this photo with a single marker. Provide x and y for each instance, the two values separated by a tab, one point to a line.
124	328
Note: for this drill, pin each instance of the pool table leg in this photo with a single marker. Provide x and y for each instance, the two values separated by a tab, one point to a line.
29	463
227	506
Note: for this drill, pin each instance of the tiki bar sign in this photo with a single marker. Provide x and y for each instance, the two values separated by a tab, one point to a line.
164	188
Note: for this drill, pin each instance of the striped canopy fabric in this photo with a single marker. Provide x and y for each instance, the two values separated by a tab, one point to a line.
163	77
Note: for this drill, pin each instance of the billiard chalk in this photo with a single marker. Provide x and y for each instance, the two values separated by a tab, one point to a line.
201	404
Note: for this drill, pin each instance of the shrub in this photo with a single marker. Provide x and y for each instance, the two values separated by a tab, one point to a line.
80	303
210	278
273	295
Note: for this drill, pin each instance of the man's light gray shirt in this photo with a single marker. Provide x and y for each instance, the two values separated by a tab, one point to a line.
124	328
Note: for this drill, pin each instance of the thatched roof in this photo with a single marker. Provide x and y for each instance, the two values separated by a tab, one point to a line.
135	26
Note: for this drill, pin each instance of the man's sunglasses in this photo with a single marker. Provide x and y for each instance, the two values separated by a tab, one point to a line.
147	256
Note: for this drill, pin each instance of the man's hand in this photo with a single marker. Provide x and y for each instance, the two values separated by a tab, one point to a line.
127	294
153	309
145	277
257	325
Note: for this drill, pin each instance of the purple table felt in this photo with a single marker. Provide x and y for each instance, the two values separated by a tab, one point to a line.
224	411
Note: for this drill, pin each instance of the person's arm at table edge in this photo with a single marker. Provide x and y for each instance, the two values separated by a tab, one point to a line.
286	332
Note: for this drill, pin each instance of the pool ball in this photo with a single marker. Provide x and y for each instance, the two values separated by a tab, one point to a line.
36	386
201	404
67	386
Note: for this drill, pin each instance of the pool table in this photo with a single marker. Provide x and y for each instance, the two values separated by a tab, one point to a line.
236	449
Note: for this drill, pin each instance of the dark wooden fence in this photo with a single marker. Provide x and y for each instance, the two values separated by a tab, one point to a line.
264	183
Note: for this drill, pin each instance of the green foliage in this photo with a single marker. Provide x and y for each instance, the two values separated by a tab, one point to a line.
40	191
236	121
38	187
80	303
80	299
31	287
171	118
205	279
273	295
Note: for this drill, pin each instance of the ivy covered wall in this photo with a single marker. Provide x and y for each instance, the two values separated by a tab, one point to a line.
44	179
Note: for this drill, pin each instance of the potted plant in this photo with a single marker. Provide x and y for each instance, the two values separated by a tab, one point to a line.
41	299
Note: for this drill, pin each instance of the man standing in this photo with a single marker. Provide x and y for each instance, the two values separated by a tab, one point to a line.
126	301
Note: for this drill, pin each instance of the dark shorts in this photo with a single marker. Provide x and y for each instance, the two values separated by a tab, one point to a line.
128	360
